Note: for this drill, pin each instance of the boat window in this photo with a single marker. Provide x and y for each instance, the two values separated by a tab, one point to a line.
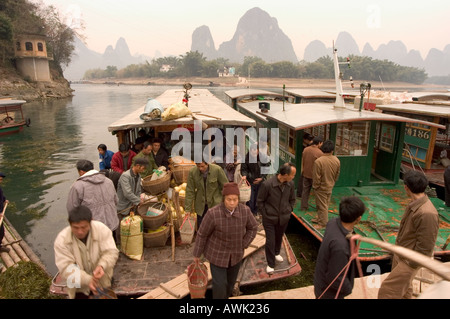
287	139
18	46
414	153
352	139
28	46
322	131
387	136
40	46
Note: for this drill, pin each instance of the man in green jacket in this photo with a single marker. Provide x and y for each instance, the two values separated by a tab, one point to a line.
147	153
204	188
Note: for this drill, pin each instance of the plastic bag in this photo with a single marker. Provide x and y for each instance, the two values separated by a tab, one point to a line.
245	191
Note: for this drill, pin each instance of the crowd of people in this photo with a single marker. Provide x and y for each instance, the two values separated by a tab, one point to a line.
98	199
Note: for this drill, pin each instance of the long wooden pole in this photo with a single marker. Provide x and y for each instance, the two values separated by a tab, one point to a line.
424	261
3	214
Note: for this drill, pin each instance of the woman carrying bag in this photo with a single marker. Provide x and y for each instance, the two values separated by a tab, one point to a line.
226	231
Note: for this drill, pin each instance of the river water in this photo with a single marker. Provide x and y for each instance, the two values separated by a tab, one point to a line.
39	162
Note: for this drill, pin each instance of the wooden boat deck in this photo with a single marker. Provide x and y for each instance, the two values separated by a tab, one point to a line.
18	249
157	276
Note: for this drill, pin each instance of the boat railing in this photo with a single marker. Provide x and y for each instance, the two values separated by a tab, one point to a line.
407	149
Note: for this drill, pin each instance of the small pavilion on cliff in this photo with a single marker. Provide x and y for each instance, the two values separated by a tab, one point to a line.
32	57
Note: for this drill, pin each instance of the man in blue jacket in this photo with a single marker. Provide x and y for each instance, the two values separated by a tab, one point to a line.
104	156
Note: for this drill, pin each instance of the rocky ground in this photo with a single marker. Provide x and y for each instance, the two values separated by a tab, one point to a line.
14	86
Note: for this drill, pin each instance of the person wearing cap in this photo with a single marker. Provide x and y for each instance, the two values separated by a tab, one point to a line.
227	229
3	201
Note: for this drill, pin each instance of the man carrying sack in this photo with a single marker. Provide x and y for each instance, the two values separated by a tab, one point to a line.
226	231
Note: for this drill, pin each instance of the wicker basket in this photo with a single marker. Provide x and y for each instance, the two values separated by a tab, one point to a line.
157	186
153	222
181	173
187	230
156	238
197	279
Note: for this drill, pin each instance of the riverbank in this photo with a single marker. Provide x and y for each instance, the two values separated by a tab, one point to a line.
12	85
243	82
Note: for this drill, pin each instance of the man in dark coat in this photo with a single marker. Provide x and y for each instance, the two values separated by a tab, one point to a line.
334	252
276	200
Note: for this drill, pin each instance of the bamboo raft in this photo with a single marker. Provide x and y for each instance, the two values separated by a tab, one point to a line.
18	249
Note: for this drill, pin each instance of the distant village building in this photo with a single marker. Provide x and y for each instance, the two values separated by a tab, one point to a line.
226	71
165	68
31	57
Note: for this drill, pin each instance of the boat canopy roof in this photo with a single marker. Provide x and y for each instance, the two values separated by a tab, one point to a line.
420	109
311	93
238	93
205	106
10	102
424	96
305	115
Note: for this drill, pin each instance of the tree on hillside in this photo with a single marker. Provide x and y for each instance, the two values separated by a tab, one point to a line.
61	37
6	36
192	63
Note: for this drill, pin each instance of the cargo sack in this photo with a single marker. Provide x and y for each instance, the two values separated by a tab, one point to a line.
245	191
132	236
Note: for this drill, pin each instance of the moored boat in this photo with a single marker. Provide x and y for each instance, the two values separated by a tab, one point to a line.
162	265
12	119
369	146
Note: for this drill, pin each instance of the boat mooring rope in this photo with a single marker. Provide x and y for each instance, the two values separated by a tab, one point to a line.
354	256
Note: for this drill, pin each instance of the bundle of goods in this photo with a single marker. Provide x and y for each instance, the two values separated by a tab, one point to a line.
131	236
176	211
175	111
156	237
153	214
181	189
158	182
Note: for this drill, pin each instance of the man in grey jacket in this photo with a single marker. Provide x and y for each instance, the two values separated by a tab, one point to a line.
129	187
95	191
276	200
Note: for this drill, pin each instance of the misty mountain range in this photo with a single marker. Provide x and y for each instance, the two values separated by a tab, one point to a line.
258	34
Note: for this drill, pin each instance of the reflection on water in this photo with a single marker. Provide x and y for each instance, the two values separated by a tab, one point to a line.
39	162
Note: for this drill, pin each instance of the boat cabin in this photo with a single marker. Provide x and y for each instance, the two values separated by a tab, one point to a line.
12	119
425	146
208	111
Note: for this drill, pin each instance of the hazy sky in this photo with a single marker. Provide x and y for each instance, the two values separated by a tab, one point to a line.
167	25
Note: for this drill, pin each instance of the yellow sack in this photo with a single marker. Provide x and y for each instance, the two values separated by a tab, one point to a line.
132	236
175	111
